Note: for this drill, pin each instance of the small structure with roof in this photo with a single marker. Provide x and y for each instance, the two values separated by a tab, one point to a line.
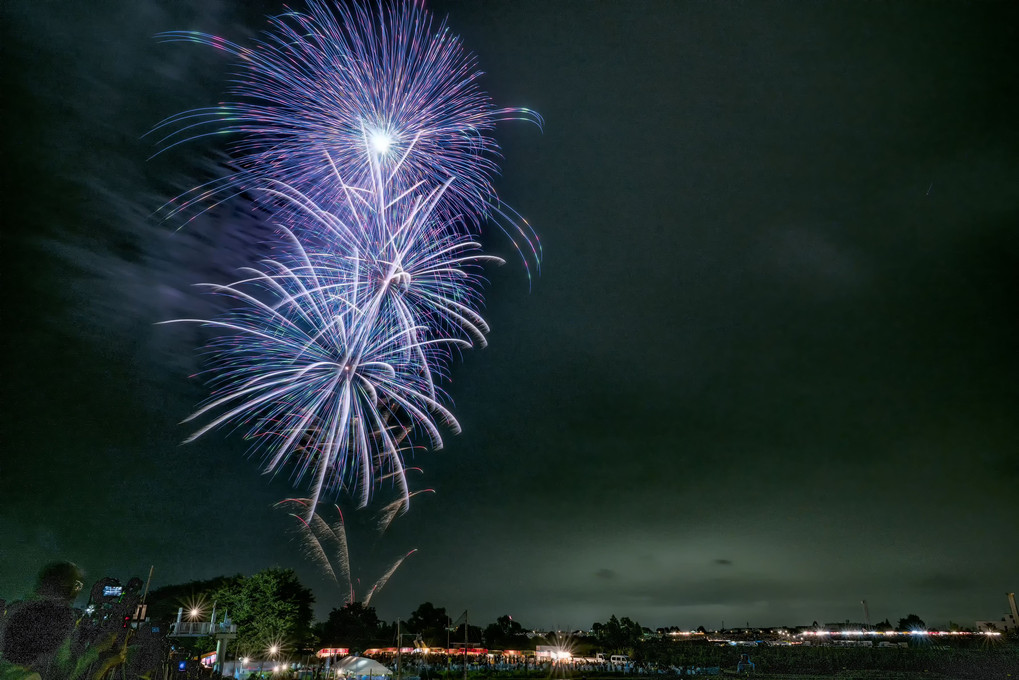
359	667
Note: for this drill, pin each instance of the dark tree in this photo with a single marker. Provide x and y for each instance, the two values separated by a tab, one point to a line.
430	623
911	622
354	625
474	635
618	634
505	633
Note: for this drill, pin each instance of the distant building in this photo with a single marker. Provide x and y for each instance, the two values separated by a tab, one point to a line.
1007	622
1004	624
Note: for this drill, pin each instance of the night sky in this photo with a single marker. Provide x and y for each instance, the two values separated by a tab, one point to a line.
770	367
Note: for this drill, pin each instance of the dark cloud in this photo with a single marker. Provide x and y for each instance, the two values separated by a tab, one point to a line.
723	562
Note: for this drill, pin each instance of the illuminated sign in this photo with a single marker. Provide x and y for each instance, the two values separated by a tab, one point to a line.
332	651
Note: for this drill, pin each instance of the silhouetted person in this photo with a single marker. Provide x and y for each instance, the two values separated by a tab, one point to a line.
35	629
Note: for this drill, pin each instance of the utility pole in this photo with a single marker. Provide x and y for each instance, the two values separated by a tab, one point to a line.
465	643
866	613
399	649
148	581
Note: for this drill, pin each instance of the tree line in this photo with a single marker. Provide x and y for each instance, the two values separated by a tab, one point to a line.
272	608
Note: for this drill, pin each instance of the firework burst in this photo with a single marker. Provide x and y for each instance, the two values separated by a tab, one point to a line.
320	84
332	357
365	135
425	272
318	377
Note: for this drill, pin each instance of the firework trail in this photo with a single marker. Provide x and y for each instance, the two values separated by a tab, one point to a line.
315	527
318	84
380	584
391	510
322	539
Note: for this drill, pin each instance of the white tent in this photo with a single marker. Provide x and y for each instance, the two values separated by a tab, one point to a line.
360	667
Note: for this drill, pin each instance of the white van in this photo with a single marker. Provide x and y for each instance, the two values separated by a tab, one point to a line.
619	659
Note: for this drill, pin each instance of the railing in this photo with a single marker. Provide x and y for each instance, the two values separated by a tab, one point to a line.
198	628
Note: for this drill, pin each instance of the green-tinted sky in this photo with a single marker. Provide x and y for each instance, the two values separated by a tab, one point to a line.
769	369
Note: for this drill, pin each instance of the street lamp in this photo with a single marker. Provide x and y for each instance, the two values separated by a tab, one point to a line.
272	650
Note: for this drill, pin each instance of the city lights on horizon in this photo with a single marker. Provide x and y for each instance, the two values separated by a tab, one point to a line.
859	633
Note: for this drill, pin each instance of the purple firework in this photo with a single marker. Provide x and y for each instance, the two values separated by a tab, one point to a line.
325	383
331	357
424	270
366	136
344	84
